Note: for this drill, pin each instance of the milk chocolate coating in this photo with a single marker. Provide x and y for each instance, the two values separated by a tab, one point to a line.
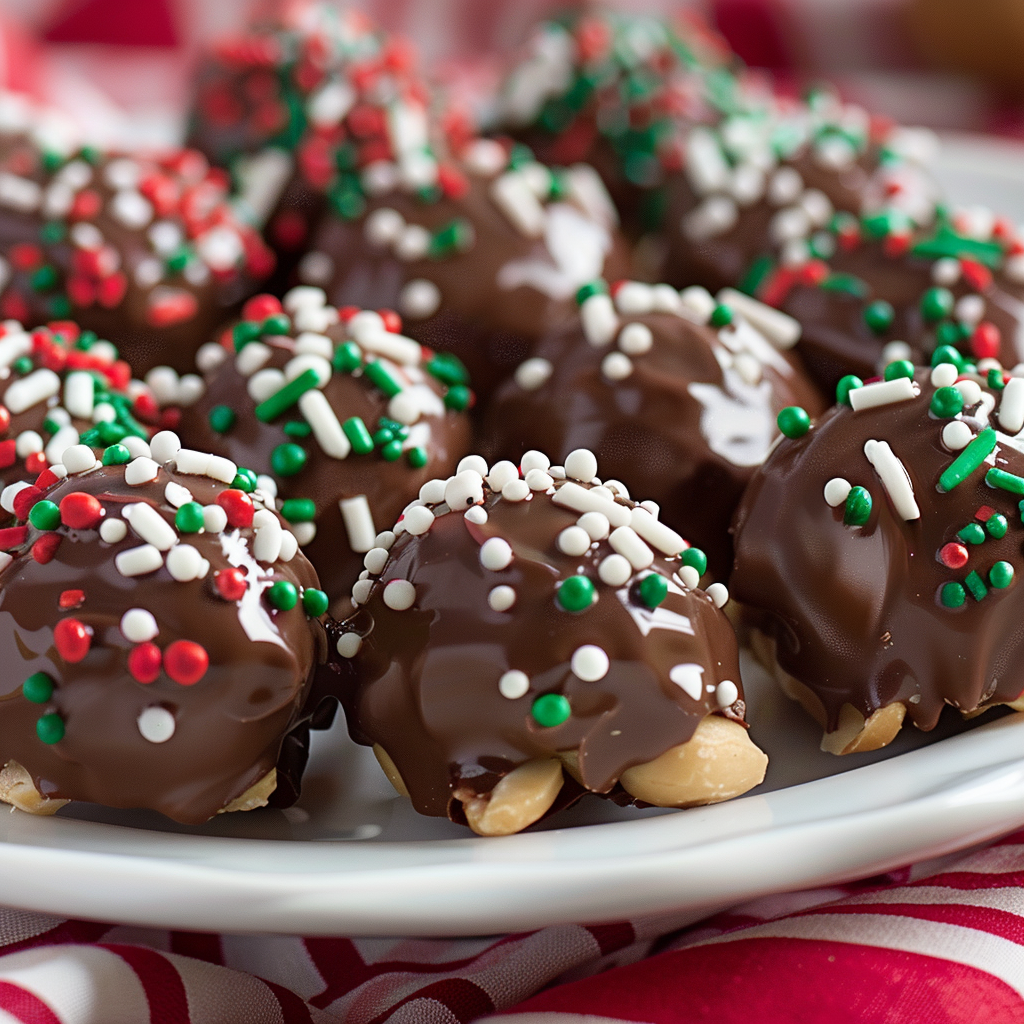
424	683
231	725
684	428
498	296
856	610
388	485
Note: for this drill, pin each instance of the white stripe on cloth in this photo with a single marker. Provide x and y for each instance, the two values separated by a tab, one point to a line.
420	951
19	925
1009	899
424	1011
82	984
995	861
6	1018
986	952
281	959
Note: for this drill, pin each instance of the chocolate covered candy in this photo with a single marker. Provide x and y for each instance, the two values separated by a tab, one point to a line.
159	630
522	639
878	551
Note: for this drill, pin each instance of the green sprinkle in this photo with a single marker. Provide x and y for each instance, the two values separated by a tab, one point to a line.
721	316
937	304
899	368
392	451
284	398
995	379
793	421
653	590
969	460
696	559
86	340
1005	481
314	602
947	402
44	515
448	369
972	533
550	709
245	480
857	510
178	260
947	354
382	437
359	437
381	376
50	728
116	455
952	595
879	316
288	459
756	275
222	418
283	595
451	238
244	332
458	397
845	386
590	289
23	365
297	428
346	201
417	457
299	510
43	279
276	323
189	517
1001	575
53	231
38	688
845	284
975	586
60	307
111	433
347	357
576	594
996	526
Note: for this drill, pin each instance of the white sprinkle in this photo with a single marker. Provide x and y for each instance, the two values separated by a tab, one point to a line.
477	463
515	490
837	490
538	480
636	338
714	216
14	345
514	684
163	382
956	435
315	268
614	570
969	309
406	406
266	545
779	328
156	724
37	387
396	347
534	459
375	560
627	543
706	166
501	473
413	243
28	442
419	299
138	625
399	595
385	539
264	383
304	533
9	493
589	663
596	524
718	593
477	514
666	299
320	319
137	448
103	412
220	469
574	541
361	591
581	465
215	519
78	458
944	375
192	463
653	507
131	209
689	576
727	693
253	357
113	530
971	390
533	373
59	443
697	303
885	392
665	539
383	227
176	495
599	320
358	520
615	366
140	471
894	477
191	388
688	678
184	563
512	195
348	644
946	271
464	489
579	499
495	554
501	598
325	425
418	520
303	297
150	525
432	492
138	561
78	394
1011	406
289	546
164	446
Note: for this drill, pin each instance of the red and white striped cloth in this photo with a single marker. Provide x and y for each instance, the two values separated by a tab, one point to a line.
942	943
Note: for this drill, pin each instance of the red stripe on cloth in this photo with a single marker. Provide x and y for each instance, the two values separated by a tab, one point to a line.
25	1006
1003	923
610	938
165	991
62	934
974	880
466	1000
780	981
198	945
293	1009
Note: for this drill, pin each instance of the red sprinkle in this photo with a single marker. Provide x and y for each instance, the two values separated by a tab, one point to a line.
977	275
111	290
36	462
985	513
230	584
953	555
12	537
71	599
259	307
238	506
46	479
24	500
986	341
26	256
172	308
345	313
5	419
72	639
144	661
80	511
46	547
186	662
392	321
8	454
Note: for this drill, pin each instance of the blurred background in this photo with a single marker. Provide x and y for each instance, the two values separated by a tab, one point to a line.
942	63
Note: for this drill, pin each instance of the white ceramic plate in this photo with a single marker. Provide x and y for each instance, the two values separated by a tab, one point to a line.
354	859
